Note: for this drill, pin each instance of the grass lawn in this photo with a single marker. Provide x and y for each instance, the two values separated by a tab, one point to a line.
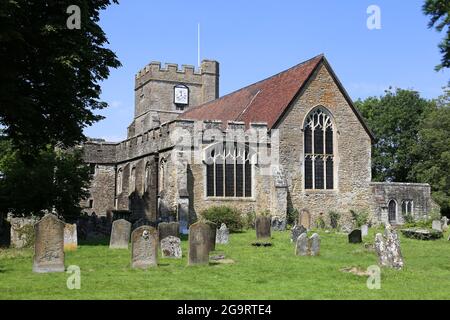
258	273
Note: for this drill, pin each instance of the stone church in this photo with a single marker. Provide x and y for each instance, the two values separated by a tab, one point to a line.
318	144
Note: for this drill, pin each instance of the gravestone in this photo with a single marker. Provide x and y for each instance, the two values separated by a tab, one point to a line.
263	226
304	219
223	234
199	234
70	237
296	231
436	225
444	223
144	247
355	236
171	248
301	246
168	229
22	232
120	234
314	245
212	235
364	230
388	249
278	224
49	245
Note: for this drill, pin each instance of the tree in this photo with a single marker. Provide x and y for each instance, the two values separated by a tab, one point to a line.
50	74
439	11
433	152
394	119
56	179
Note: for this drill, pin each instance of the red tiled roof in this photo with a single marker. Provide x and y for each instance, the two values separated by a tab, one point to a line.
263	101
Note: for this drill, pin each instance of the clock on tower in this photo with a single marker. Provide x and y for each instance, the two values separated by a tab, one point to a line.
181	95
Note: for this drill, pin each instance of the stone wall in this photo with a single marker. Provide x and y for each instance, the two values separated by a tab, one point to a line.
352	154
102	190
419	193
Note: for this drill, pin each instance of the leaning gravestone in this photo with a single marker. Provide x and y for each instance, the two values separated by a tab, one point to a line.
437	225
314	245
355	236
364	230
304	219
301	246
170	247
296	231
70	237
212	235
49	245
222	234
263	226
120	234
168	229
199	234
144	247
388	249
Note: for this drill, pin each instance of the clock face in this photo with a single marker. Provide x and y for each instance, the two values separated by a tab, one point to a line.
181	95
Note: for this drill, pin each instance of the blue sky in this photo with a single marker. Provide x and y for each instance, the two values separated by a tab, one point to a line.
256	39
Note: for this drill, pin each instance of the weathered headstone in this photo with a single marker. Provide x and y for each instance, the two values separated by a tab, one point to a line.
212	235
304	219
437	225
168	229
120	234
170	247
22	232
314	245
278	224
223	234
388	249
199	247
301	246
355	236
144	247
445	226
296	231
263	227
70	237
364	230
49	245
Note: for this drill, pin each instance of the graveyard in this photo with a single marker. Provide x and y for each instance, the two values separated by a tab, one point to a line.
250	272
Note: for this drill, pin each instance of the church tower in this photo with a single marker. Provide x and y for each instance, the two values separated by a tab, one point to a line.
162	93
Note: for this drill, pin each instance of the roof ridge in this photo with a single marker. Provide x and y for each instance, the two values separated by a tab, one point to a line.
253	84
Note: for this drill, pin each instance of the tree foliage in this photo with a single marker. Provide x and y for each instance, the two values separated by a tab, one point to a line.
439	11
394	119
56	179
412	140
49	79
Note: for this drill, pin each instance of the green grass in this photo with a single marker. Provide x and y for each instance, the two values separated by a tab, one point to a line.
259	273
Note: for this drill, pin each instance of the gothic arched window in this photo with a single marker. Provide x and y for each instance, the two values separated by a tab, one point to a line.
392	211
319	150
229	170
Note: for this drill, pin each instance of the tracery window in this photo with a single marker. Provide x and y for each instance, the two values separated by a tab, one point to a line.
319	150
229	170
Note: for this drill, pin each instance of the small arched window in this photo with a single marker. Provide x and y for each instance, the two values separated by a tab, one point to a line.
319	150
147	176
162	174
119	180
392	211
132	180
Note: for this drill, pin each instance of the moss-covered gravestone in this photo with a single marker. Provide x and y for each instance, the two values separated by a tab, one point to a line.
49	245
144	247
199	243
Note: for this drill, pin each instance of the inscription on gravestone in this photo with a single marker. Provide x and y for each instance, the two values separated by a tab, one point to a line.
199	234
49	245
144	247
